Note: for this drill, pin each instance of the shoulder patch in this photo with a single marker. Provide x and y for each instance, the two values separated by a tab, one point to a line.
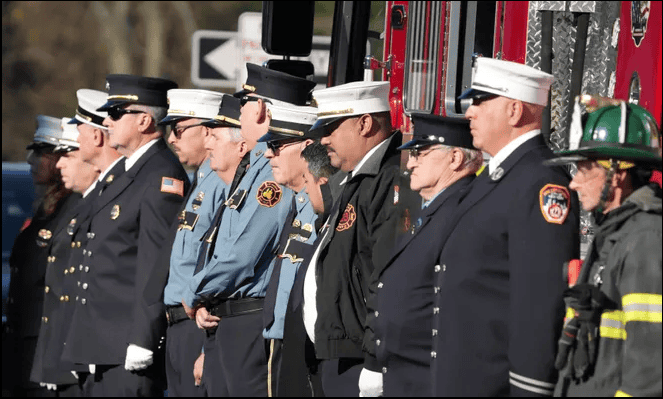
172	186
555	202
348	218
269	194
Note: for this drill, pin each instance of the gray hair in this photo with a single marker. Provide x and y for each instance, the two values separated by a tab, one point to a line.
157	114
472	159
235	134
318	160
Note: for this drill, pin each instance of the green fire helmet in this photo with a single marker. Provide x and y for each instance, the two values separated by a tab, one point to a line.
614	130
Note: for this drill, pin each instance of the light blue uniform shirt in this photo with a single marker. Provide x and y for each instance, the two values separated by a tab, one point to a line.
211	189
247	239
306	216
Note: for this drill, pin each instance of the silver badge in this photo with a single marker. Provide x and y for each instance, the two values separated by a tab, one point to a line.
497	174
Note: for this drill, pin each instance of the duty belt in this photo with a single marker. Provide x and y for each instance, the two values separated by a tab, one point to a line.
175	314
236	307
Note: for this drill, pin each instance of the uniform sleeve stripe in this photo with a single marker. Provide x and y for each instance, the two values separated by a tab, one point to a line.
622	394
532	381
639	315
612	332
570	313
540	391
651	299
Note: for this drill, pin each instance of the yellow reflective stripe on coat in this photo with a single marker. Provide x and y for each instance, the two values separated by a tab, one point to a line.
612	325
570	313
622	394
642	307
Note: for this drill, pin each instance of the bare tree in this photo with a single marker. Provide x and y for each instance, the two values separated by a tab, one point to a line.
114	34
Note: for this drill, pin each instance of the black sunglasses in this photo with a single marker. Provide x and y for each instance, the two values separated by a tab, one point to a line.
117	113
276	145
178	131
483	98
246	99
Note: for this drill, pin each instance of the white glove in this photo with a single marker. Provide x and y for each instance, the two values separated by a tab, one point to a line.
49	386
92	368
75	374
370	383
137	358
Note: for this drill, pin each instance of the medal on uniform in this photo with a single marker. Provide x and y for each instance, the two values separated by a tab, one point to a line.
115	212
71	227
110	178
45	234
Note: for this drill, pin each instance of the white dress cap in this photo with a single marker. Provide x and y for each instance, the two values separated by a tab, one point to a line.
511	79
355	98
49	130
192	103
69	135
88	102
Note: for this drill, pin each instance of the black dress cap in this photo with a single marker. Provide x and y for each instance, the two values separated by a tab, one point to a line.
132	89
228	115
276	85
435	129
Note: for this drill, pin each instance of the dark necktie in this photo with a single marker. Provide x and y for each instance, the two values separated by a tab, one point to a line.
209	238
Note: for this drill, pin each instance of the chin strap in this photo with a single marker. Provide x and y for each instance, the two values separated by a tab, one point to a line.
606	192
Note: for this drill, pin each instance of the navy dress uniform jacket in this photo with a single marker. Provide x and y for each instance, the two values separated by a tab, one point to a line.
404	299
121	297
46	365
498	308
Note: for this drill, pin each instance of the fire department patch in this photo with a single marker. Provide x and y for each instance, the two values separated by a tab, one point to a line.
269	194
348	218
555	202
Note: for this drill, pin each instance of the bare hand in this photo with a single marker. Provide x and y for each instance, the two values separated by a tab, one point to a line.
198	369
205	320
191	312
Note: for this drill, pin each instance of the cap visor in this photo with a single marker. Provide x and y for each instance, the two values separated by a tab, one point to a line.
42	145
113	104
64	148
474	93
74	121
565	160
415	143
322	127
213	123
171	119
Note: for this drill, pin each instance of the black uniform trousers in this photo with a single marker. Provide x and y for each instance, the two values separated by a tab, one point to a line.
236	357
184	342
114	380
340	377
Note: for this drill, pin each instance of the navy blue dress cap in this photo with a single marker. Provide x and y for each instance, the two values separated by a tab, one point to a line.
133	89
435	129
228	115
276	85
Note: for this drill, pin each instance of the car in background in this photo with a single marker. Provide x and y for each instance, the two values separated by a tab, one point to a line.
17	198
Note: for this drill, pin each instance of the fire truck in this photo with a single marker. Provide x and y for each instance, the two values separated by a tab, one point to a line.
604	48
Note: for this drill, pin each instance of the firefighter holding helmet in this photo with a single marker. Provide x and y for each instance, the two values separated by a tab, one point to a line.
611	343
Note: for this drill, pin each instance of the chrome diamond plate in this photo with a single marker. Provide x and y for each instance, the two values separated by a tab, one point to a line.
564	33
601	54
533	51
549	5
582	6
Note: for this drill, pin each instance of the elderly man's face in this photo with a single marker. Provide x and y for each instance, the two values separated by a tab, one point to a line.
342	144
287	164
221	149
488	123
122	132
429	166
588	182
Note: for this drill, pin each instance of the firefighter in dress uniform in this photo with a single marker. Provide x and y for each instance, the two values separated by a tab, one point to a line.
288	134
611	342
498	289
79	177
29	258
187	110
356	125
119	315
443	163
226	294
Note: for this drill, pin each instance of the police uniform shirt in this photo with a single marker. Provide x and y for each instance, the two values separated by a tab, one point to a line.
305	221
243	256
498	307
194	220
121	296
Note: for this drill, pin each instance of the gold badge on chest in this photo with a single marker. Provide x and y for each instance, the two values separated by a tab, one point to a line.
115	212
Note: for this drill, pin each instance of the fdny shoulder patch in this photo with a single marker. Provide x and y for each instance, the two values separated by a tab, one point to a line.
269	194
555	202
172	186
348	218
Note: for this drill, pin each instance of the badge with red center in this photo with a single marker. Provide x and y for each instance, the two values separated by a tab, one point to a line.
348	218
269	194
555	202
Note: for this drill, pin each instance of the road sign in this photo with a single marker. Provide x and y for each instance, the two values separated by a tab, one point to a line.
214	58
218	58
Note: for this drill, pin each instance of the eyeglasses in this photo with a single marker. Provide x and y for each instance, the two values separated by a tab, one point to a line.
117	113
178	131
483	98
246	99
418	152
278	144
